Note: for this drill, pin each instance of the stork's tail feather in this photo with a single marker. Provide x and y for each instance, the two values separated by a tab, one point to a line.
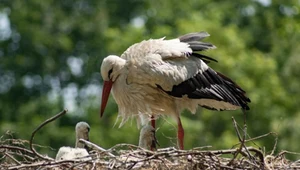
195	36
193	39
200	46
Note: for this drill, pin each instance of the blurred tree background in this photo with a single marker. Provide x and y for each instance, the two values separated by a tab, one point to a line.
51	52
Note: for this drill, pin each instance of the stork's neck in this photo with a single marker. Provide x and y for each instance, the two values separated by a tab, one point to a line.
84	136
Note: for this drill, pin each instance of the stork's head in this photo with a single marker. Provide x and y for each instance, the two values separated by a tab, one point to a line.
110	70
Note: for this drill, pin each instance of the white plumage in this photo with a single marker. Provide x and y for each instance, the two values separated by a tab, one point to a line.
161	76
68	153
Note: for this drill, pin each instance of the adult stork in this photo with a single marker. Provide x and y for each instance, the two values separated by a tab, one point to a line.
161	76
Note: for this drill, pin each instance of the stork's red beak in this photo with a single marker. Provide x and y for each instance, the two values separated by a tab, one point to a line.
105	94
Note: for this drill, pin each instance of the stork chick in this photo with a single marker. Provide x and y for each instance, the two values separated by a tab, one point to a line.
82	130
147	138
80	151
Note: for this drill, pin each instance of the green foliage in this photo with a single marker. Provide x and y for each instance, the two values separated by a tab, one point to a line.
51	55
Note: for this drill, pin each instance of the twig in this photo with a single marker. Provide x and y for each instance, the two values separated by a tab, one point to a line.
16	148
122	145
94	146
230	151
285	151
241	139
275	145
38	128
11	157
80	163
94	166
44	164
236	129
25	156
261	136
202	147
129	145
244	137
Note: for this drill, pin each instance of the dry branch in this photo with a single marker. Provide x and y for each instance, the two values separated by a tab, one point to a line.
38	128
96	147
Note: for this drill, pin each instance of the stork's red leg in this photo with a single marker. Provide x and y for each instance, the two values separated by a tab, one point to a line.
180	134
153	121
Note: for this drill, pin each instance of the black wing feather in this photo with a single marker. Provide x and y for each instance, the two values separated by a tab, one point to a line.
208	84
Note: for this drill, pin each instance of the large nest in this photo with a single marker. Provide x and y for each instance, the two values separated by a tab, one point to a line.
20	154
16	155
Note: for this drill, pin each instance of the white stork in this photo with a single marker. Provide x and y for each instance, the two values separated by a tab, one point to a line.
165	77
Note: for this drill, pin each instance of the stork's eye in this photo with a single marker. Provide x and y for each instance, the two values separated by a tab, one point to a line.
109	73
88	129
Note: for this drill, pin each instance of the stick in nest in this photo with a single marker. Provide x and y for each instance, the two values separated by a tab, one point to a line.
96	147
242	140
38	128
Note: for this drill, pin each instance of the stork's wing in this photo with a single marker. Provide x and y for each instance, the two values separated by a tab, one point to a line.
175	67
211	85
